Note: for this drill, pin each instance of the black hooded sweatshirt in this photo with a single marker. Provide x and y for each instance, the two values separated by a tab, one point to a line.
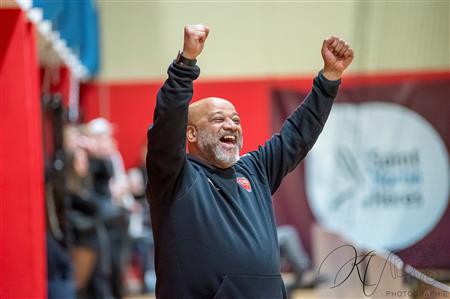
214	229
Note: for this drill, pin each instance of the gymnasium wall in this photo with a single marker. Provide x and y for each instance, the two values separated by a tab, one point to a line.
273	38
251	46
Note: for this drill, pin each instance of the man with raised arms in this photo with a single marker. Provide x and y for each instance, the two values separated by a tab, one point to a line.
212	216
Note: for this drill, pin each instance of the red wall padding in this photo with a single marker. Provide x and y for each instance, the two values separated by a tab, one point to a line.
22	242
130	107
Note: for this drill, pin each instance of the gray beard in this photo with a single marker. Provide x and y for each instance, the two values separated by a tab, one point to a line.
210	147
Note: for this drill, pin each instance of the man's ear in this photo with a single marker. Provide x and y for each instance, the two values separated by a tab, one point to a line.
191	133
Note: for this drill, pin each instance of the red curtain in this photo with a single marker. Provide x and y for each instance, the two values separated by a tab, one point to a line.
22	226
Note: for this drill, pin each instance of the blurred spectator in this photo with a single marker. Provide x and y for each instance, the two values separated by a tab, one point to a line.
291	248
59	270
292	251
89	251
105	175
59	266
119	183
82	216
105	216
141	232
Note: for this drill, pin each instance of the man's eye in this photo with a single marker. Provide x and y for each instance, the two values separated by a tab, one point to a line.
237	121
218	120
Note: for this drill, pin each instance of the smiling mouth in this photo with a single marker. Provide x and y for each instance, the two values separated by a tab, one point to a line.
228	140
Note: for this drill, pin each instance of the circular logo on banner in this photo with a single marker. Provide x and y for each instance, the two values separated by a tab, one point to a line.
378	175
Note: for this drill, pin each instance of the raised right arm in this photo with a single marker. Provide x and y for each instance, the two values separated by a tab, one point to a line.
166	153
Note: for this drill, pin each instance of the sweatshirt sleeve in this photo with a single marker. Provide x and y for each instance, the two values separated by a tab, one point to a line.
166	147
286	149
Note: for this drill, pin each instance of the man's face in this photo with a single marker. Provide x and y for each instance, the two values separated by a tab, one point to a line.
219	133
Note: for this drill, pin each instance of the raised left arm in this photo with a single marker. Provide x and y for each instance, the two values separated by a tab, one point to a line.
285	150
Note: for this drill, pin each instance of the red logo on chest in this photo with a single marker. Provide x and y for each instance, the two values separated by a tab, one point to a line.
244	182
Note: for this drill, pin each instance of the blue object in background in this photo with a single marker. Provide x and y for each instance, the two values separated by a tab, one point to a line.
77	24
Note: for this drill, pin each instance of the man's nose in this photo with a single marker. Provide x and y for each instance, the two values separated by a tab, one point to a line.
230	125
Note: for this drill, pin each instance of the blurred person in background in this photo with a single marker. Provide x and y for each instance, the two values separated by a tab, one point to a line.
141	232
89	252
212	215
119	184
140	225
82	209
61	271
292	251
102	156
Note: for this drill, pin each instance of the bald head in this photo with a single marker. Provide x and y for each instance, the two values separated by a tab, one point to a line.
206	106
214	133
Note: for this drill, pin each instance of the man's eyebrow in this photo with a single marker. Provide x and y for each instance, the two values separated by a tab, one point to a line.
222	113
212	114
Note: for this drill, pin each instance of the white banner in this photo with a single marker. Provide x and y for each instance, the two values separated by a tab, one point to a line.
379	175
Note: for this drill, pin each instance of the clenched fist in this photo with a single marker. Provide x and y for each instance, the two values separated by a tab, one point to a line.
337	56
194	40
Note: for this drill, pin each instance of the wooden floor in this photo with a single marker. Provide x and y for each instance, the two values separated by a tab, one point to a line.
299	294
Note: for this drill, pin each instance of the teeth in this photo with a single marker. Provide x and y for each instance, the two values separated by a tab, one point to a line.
229	138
